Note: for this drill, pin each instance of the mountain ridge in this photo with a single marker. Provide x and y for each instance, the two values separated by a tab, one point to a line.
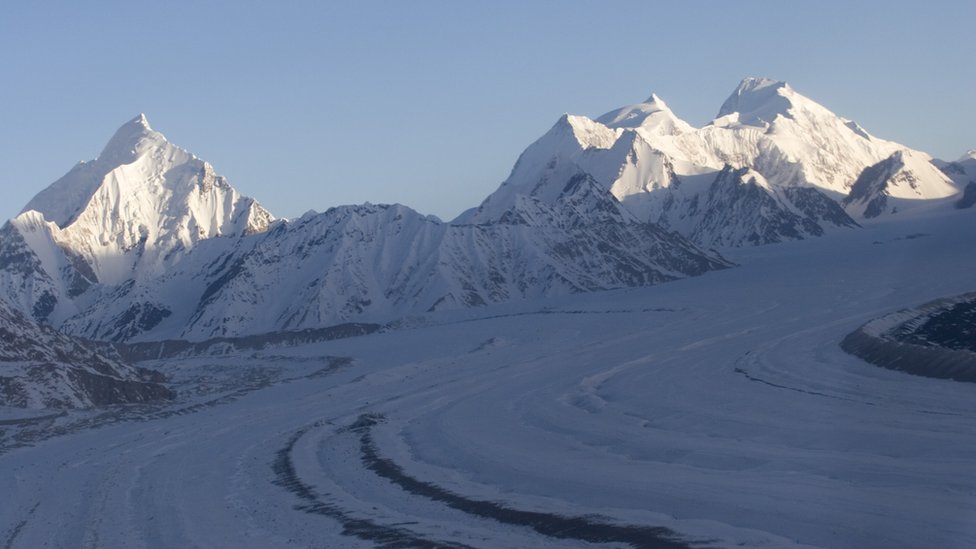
156	245
663	169
164	248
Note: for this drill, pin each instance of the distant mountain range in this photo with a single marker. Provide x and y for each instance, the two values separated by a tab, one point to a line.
147	242
772	166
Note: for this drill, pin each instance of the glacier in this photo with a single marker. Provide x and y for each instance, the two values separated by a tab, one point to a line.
718	408
636	341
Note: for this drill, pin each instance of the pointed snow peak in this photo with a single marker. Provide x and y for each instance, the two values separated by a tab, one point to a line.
655	99
970	155
586	132
140	120
130	141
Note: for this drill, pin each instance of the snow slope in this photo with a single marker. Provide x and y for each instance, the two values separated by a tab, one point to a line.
896	182
717	407
963	173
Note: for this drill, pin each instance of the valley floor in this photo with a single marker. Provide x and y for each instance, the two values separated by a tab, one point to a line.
716	411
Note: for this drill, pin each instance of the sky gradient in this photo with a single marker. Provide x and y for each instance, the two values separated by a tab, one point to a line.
308	105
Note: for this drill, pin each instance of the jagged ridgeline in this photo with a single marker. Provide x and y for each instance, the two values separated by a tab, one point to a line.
147	242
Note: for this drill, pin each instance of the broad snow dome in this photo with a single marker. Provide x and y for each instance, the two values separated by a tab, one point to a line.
757	102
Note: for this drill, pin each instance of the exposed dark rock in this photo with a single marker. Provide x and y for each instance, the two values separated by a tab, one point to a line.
937	339
968	196
40	367
153	350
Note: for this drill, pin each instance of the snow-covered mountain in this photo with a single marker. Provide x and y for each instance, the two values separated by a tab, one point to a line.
963	173
897	182
43	368
771	166
131	214
374	263
146	242
377	262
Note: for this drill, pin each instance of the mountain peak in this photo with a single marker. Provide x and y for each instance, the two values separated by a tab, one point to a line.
142	198
140	120
751	84
131	140
758	101
655	99
653	115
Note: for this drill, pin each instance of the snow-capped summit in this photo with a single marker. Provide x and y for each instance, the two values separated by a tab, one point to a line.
131	214
130	141
653	115
63	200
801	159
136	207
757	102
146	241
963	173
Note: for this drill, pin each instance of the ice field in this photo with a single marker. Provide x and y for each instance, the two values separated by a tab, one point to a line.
715	411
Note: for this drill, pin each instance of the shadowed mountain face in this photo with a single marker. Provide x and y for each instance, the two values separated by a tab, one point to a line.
42	368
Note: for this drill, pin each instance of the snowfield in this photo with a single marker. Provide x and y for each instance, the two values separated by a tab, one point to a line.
716	411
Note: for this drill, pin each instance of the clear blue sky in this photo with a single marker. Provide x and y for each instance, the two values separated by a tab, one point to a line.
314	104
